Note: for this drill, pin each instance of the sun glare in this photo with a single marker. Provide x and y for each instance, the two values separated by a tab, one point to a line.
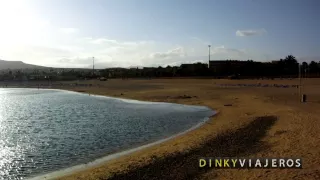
19	24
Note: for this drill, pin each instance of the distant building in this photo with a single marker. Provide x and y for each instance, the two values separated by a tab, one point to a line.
116	69
194	66
226	66
116	72
148	68
97	72
33	77
216	63
187	66
275	62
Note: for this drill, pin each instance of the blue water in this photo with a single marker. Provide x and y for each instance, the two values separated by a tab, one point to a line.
46	130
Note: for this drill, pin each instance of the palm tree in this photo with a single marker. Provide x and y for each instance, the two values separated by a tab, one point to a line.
290	59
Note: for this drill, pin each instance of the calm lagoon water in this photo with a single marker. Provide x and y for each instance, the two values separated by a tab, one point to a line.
47	130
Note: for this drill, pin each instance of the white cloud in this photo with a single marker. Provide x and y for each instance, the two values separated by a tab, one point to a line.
250	32
78	52
26	36
112	42
102	41
227	51
179	55
68	30
176	52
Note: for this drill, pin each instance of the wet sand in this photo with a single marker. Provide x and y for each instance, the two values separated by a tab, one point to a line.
251	122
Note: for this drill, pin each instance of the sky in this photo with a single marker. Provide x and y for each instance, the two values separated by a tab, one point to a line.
124	33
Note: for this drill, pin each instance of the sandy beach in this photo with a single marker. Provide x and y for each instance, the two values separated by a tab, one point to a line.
251	122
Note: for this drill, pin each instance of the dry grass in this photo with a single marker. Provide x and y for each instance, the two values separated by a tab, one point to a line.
259	122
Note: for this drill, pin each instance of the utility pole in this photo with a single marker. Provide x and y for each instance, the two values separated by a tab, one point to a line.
92	66
300	88
305	72
209	56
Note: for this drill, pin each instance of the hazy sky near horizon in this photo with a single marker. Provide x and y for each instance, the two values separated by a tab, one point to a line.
66	33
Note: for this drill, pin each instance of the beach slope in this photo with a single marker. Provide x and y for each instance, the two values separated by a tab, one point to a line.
251	122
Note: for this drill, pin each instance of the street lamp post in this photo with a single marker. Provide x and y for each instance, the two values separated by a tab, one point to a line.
301	94
209	56
92	66
300	88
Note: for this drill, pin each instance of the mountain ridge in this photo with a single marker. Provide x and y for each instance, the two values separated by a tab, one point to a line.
4	64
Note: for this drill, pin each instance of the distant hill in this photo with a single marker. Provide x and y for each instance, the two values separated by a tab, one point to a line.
18	65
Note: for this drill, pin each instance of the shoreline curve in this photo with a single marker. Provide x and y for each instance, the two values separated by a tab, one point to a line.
100	161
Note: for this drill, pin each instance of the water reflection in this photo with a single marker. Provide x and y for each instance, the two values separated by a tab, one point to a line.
46	130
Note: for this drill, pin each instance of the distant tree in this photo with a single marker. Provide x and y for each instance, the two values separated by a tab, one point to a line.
313	66
289	65
290	59
304	65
